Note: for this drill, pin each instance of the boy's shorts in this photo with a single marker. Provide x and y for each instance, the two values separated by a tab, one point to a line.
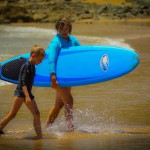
21	94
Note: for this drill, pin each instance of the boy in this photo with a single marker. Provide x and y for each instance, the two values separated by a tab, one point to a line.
23	91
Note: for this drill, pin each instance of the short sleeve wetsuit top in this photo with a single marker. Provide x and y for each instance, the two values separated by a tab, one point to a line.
55	46
26	78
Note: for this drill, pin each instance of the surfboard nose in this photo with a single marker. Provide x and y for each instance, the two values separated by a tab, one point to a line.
136	60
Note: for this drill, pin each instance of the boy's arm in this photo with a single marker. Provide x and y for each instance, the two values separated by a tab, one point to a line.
24	88
23	73
27	97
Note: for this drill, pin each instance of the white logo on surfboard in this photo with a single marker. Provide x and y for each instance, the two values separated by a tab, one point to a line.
104	62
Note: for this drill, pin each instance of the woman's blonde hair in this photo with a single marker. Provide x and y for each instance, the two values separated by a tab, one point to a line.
61	22
38	51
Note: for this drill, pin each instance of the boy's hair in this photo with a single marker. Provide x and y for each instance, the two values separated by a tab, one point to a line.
61	22
38	51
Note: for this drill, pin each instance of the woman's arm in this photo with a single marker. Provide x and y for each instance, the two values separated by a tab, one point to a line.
77	43
53	55
54	83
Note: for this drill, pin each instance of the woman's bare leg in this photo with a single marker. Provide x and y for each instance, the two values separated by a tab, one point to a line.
67	99
63	98
54	111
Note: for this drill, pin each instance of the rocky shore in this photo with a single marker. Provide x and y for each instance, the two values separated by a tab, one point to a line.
50	11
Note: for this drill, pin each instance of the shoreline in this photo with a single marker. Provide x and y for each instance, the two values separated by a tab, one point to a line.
103	28
136	20
145	21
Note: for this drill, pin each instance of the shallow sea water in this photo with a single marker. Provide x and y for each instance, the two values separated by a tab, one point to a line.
108	115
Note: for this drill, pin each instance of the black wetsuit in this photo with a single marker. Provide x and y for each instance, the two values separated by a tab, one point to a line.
26	78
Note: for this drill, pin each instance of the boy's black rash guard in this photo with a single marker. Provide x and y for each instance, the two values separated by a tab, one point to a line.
26	78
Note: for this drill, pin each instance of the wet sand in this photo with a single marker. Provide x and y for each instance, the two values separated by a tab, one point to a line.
120	107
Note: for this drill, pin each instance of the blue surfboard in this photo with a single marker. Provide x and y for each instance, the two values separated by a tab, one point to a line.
76	66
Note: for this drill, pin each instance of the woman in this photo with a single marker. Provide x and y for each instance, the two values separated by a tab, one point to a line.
63	39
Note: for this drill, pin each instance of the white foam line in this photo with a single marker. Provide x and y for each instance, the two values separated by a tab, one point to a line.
29	29
25	32
3	83
105	41
28	32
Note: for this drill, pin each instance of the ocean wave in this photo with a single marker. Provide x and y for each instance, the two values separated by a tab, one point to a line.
40	33
103	41
26	32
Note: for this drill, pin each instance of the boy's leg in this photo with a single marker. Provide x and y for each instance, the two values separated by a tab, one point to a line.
36	114
17	102
54	111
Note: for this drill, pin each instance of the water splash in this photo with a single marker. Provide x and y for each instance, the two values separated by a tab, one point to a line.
89	121
86	121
